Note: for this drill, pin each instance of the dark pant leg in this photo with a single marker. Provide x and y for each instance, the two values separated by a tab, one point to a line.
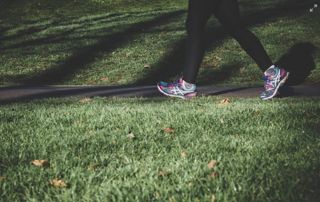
228	14
199	12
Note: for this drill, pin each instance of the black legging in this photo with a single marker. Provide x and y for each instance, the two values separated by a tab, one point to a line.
227	12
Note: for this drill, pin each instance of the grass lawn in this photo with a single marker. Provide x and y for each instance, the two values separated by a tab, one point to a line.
98	42
157	149
118	150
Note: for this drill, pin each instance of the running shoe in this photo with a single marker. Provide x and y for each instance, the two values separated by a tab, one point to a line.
274	78
179	89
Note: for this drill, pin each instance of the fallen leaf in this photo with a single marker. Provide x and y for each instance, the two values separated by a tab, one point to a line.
41	163
225	101
91	82
85	100
104	79
184	154
58	183
168	130
2	178
212	164
213	175
131	136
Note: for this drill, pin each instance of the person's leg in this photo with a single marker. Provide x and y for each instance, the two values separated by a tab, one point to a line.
199	12
229	16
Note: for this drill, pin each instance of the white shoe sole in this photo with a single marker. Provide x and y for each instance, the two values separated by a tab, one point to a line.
171	95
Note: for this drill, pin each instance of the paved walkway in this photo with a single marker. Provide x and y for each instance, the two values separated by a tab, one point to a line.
23	93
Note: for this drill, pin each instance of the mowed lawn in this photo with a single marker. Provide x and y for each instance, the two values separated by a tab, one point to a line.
154	149
142	42
159	149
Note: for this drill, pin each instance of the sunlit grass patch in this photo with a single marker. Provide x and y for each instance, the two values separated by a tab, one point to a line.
147	149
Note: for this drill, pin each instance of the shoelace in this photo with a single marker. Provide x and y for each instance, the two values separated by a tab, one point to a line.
269	82
175	84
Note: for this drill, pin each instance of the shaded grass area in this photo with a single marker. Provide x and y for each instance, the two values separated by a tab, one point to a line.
33	10
266	151
143	42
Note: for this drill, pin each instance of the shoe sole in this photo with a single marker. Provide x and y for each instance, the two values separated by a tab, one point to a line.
177	96
276	91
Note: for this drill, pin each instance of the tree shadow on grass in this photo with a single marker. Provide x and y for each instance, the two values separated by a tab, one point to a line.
35	27
215	76
86	55
4	4
56	38
2	31
171	64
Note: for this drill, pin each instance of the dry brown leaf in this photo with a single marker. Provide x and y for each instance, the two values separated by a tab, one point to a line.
131	136
91	82
104	79
41	163
168	130
184	154
225	101
2	178
85	100
213	175
58	183
212	164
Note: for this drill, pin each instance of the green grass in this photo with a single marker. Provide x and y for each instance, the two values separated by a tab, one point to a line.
266	151
99	42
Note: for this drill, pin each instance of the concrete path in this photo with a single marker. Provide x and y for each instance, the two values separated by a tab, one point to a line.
24	93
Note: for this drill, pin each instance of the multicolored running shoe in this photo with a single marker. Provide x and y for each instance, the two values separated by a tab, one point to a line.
274	78
179	89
